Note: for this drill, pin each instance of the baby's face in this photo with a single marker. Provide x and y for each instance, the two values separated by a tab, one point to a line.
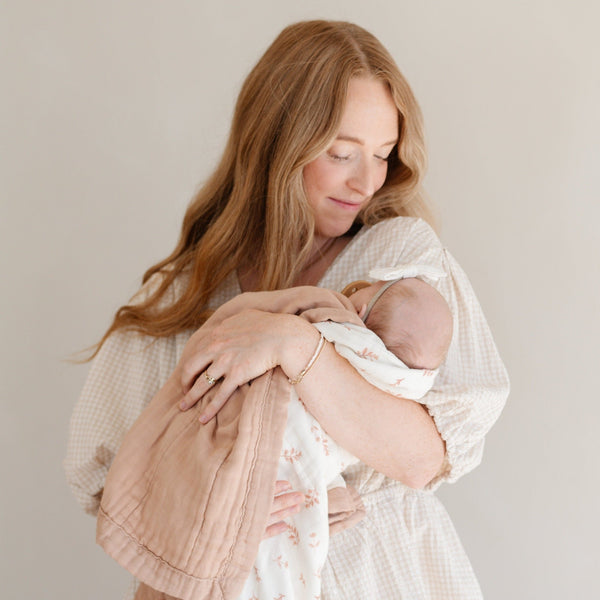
363	296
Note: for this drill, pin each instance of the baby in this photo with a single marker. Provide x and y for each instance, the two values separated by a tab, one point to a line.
409	316
415	324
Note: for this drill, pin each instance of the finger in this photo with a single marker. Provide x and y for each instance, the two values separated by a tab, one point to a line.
281	485
280	515
275	529
194	394
226	388
202	384
275	522
283	504
191	371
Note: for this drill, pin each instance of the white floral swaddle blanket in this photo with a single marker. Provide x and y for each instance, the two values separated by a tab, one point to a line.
288	566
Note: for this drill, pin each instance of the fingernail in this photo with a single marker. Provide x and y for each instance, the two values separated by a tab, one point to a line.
286	486
203	419
182	405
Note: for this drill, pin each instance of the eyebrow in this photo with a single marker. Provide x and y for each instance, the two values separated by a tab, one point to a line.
350	138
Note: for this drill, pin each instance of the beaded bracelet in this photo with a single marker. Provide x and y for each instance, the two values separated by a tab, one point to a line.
311	362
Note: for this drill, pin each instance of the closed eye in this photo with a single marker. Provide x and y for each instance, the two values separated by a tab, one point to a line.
387	157
339	157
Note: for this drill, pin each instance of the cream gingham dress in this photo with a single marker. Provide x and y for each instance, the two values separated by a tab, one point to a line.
406	547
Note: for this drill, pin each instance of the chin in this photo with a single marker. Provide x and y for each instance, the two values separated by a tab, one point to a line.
335	230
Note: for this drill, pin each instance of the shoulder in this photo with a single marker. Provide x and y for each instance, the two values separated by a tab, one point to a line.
409	231
226	291
129	358
151	286
394	241
389	243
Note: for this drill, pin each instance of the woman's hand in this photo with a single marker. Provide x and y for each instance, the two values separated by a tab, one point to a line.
246	337
284	505
235	350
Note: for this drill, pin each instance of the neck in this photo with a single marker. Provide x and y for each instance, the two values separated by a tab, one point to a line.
324	253
321	248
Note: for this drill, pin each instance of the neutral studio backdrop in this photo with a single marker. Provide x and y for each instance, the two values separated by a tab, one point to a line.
113	112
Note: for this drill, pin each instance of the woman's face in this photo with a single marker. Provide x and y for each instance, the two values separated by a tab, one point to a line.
343	179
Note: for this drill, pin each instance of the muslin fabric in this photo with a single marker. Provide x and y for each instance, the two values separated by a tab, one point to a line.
368	355
406	546
185	504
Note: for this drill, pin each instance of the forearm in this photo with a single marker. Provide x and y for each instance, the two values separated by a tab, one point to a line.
395	436
289	301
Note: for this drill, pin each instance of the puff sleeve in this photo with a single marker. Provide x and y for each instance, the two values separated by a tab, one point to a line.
472	385
125	374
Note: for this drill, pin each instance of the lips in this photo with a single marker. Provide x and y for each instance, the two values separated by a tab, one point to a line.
344	204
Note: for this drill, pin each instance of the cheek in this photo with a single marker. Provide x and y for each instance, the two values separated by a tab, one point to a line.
311	183
310	175
319	177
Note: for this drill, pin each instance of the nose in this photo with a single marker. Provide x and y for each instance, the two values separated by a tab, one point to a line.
363	179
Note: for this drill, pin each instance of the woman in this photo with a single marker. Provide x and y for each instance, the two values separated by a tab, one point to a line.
319	179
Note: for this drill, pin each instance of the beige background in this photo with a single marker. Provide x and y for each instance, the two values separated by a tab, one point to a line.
112	112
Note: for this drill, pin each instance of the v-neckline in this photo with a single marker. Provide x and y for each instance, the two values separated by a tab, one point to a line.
340	256
333	264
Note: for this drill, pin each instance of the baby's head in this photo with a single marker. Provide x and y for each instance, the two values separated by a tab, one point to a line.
411	318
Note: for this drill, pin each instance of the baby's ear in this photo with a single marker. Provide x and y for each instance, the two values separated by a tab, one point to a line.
362	311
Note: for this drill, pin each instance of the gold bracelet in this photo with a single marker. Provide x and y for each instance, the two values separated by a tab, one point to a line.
311	362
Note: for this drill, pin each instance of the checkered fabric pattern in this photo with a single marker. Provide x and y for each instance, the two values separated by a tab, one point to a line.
406	548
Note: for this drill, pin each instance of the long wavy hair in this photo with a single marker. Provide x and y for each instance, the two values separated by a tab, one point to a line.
288	113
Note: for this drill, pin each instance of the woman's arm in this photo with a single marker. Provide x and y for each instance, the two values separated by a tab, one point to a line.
292	300
395	436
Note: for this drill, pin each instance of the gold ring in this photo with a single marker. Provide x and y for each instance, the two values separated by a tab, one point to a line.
210	379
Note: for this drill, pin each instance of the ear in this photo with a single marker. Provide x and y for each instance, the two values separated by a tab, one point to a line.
362	311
